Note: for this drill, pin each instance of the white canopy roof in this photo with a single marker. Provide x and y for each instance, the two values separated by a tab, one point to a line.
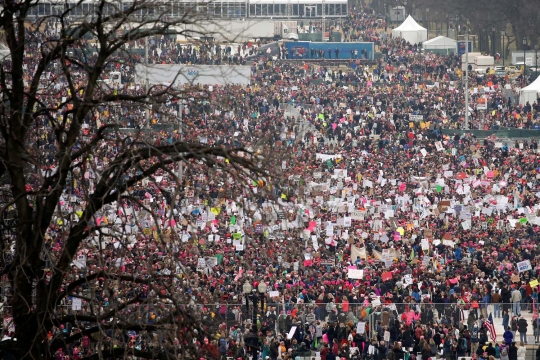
439	42
535	85
409	24
411	31
530	93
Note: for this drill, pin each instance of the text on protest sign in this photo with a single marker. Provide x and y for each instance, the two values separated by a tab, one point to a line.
356	274
524	266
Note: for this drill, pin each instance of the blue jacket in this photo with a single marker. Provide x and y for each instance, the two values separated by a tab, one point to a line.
508	336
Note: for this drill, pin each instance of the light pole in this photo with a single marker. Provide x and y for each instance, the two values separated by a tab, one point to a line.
524	52
404	10
427	21
147	87
535	61
524	49
246	290
323	25
493	49
180	169
467	78
252	339
503	49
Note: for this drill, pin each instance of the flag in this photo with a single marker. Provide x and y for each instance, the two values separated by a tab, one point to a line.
491	328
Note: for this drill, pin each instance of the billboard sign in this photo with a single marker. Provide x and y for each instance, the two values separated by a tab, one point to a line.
179	74
461	47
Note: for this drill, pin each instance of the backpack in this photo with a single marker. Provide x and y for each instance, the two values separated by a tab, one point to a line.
504	351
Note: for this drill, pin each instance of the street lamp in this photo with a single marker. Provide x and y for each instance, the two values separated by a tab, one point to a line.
493	49
427	21
262	288
503	32
404	10
524	47
246	290
252	339
535	61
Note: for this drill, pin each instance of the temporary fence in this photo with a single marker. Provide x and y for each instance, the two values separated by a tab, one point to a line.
373	319
503	133
365	318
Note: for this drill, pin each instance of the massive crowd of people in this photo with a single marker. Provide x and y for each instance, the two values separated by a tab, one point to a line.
388	240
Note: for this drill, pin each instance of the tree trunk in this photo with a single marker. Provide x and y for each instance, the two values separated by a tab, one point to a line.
30	331
30	336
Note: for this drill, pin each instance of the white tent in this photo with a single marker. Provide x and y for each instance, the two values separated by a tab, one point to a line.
440	43
411	31
530	93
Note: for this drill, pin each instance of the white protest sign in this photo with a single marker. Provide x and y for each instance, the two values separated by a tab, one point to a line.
76	304
524	266
355	274
448	243
291	333
211	261
80	262
357	215
361	327
408	279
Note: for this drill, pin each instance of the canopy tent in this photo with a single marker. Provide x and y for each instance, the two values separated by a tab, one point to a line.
411	31
440	44
530	93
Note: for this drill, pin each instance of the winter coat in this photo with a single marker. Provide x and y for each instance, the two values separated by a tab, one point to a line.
522	325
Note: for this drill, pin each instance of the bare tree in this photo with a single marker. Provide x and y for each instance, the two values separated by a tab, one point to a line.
56	125
519	18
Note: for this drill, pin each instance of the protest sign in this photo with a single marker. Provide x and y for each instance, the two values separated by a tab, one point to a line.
76	304
361	327
524	266
355	274
387	276
291	332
